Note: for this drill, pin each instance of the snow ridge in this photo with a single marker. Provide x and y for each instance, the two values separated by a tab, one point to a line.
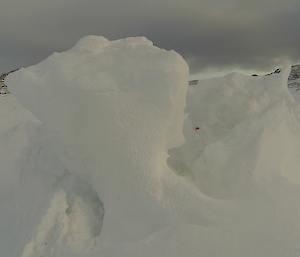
127	160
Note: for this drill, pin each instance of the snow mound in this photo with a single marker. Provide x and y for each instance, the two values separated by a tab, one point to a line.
111	111
233	115
127	160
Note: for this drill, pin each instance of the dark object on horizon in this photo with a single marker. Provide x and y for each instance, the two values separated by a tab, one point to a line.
3	89
254	75
277	71
3	75
193	82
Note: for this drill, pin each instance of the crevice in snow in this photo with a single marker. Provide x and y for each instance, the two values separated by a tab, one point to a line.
77	220
85	213
177	165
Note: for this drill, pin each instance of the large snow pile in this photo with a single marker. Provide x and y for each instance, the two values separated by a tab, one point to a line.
114	167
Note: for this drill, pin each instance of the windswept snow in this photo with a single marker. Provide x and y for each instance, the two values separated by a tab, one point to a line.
111	128
122	158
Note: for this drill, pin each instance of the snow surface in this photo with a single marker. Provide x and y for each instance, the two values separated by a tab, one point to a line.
106	159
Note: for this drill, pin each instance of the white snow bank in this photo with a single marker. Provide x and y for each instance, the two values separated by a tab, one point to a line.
12	140
111	113
234	114
112	110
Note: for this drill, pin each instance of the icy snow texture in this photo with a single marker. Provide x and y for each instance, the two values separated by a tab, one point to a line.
230	111
112	110
111	140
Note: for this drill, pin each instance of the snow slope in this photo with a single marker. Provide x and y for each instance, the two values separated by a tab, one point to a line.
114	163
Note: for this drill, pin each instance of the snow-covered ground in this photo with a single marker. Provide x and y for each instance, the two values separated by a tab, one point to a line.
106	151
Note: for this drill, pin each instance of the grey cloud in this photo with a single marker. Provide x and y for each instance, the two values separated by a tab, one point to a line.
209	34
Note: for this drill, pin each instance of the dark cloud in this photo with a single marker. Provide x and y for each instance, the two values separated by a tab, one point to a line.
210	34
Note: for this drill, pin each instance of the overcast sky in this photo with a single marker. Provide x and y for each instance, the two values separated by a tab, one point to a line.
211	35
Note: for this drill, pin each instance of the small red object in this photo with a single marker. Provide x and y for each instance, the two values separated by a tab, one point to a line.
197	128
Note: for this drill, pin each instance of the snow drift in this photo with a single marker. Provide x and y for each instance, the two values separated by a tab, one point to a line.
114	167
111	123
